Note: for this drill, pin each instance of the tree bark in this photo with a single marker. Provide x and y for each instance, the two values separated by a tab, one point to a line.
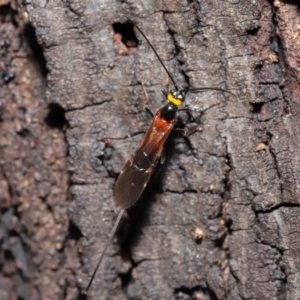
219	219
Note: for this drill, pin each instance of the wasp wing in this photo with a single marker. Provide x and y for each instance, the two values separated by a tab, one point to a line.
137	171
130	185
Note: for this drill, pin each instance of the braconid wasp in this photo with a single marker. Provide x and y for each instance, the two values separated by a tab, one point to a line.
137	171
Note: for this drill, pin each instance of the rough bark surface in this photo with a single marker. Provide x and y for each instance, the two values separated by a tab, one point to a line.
219	220
33	176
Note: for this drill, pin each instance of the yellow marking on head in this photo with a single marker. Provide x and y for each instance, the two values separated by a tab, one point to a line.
175	101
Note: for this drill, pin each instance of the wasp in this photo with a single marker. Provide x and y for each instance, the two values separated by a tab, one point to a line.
137	171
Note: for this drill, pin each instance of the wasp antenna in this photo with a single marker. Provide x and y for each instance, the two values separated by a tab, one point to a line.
149	43
200	89
105	248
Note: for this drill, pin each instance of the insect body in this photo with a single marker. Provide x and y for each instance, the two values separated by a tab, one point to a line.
137	171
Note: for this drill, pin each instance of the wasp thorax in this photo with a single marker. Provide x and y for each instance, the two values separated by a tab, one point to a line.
168	112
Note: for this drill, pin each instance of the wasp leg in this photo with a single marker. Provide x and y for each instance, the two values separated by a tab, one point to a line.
148	111
185	134
194	151
146	107
200	109
129	135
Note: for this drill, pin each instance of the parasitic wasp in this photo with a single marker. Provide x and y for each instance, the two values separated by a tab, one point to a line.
137	171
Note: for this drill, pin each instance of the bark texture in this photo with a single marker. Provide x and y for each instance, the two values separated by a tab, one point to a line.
219	220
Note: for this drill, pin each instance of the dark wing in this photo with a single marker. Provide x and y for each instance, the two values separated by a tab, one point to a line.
137	171
130	184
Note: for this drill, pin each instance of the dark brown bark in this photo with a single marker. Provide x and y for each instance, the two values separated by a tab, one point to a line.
34	180
220	219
